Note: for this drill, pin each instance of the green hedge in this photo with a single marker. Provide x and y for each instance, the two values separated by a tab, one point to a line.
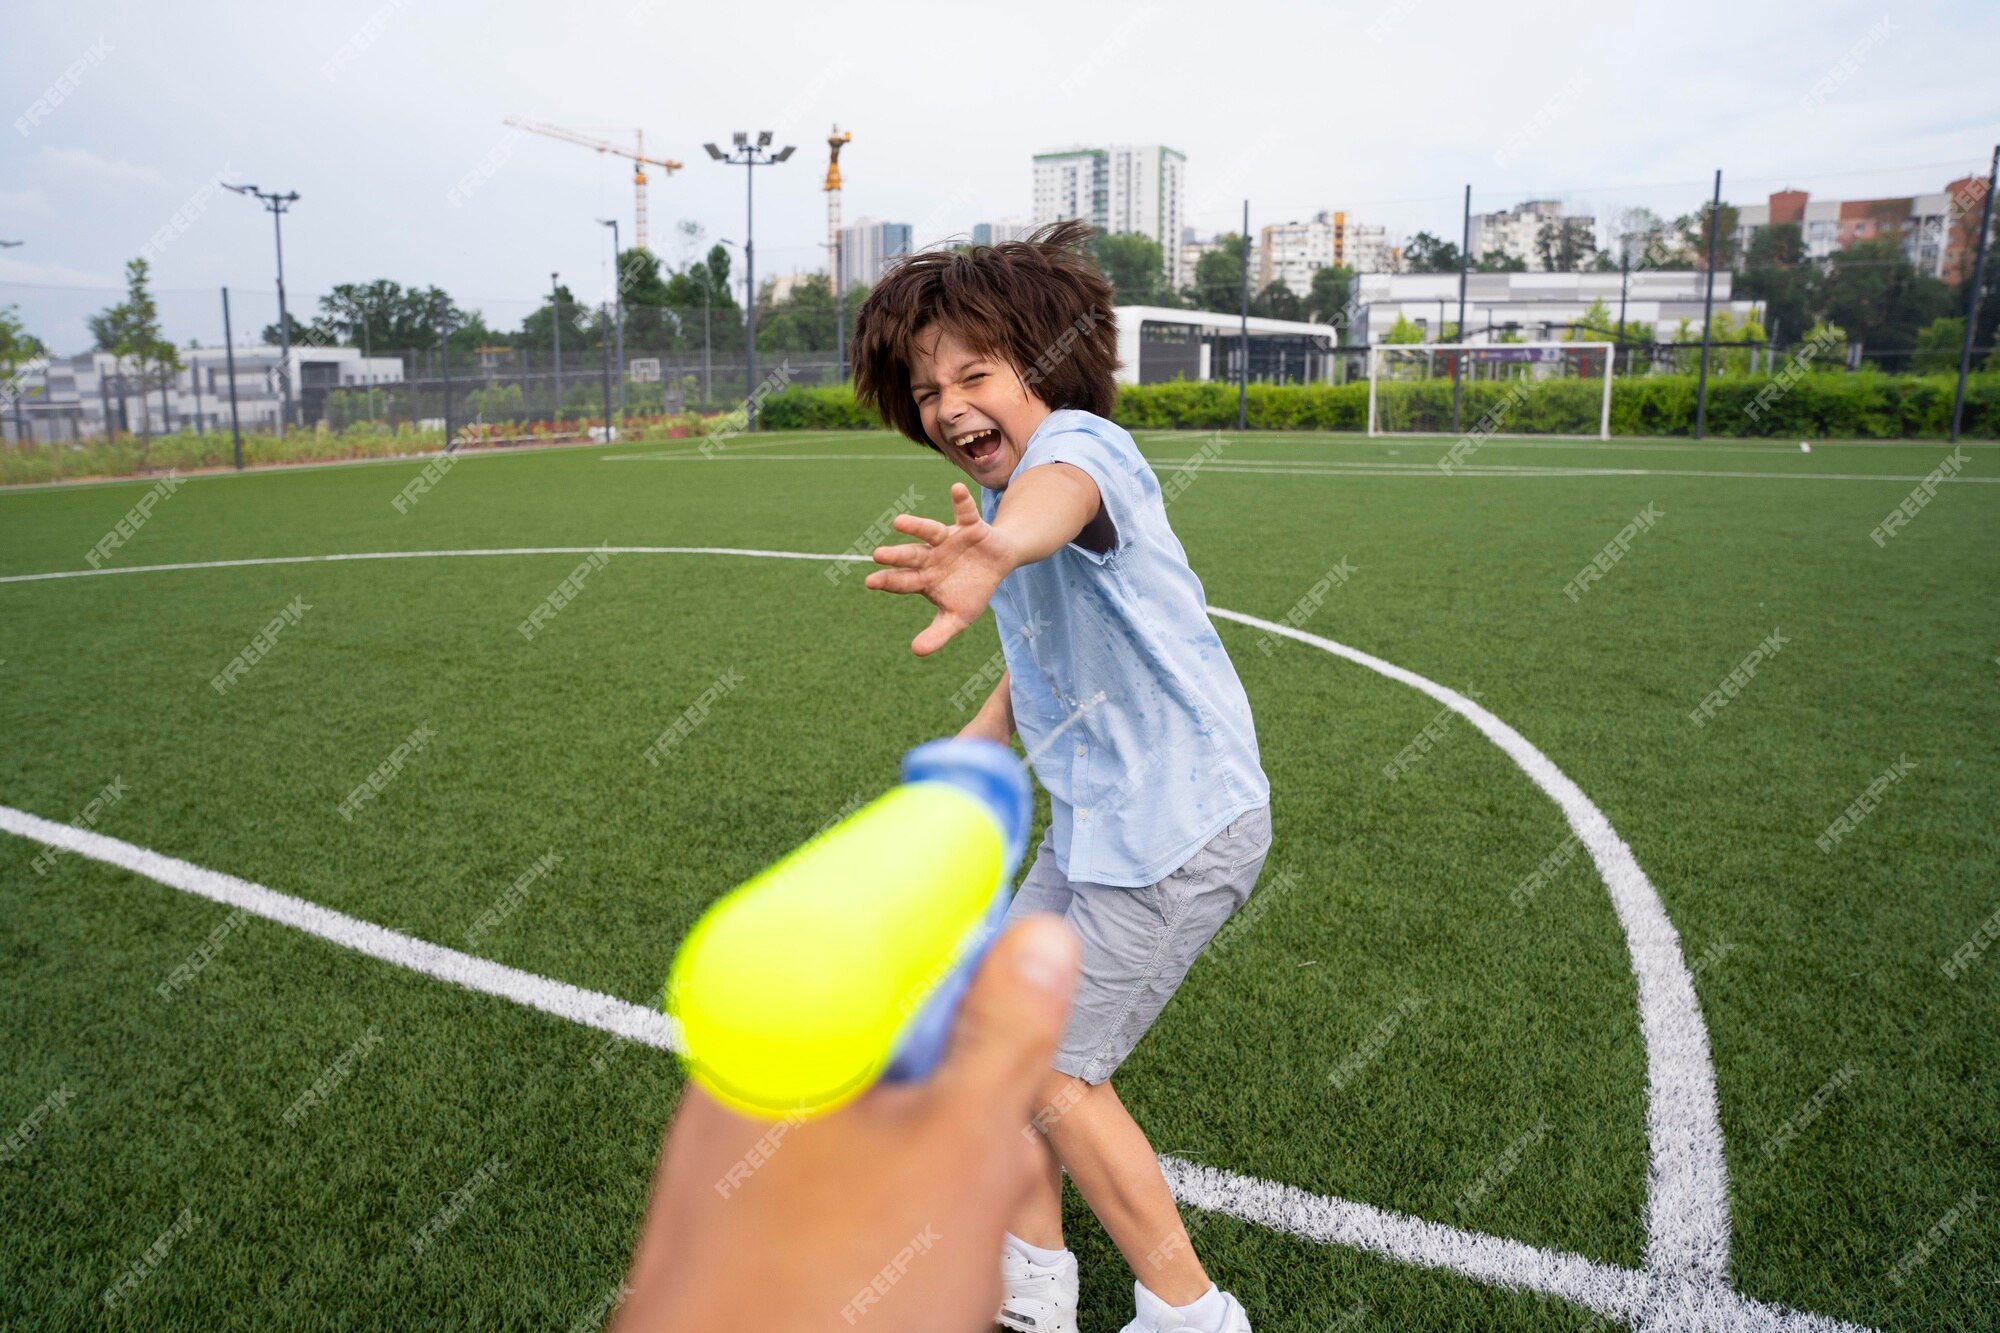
1821	405
828	407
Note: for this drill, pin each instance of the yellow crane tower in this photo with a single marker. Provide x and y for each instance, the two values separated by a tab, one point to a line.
637	154
833	143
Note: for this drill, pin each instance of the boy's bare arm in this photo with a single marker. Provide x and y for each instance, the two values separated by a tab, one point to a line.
995	719
1045	509
957	568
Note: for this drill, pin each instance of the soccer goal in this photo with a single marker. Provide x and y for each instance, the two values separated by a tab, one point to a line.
1496	388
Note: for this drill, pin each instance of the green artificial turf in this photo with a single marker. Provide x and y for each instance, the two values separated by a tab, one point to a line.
1380	897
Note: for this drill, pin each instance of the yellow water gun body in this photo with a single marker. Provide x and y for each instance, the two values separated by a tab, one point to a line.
844	962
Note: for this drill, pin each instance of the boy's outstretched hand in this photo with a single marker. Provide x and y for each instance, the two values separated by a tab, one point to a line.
955	568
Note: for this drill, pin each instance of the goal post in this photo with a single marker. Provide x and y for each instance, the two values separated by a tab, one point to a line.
1528	389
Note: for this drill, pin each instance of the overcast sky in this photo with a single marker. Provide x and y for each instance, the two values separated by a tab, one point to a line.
386	118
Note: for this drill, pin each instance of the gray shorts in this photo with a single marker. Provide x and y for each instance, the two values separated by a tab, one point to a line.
1138	943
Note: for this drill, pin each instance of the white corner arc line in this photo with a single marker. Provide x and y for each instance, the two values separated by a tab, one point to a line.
1684	1284
1687	1196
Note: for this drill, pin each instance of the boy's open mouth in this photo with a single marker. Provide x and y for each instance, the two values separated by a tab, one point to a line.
979	445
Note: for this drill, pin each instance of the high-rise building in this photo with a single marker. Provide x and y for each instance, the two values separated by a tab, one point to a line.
1938	232
1005	229
1120	189
1513	232
1288	252
867	247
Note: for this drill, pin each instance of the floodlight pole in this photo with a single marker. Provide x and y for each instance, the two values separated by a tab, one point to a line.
1972	300
1464	259
1243	339
229	346
278	203
618	301
1707	309
746	155
555	324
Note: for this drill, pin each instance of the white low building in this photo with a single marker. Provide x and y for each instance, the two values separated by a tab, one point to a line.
1533	307
1156	345
74	397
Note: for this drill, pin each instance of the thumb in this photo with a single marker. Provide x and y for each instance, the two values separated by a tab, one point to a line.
1011	1019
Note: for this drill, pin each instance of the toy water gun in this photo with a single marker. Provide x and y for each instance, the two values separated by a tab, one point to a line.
845	962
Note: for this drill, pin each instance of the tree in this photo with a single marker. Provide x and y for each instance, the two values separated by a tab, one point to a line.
1427	254
130	331
1327	298
1646	241
1277	301
1134	266
1938	345
1218	276
301	333
707	279
1596	325
1874	292
18	347
650	320
1565	245
802	322
539	326
1499	261
1692	229
1777	272
1404	332
386	316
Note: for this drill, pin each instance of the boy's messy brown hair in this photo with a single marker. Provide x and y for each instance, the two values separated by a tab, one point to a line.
1039	304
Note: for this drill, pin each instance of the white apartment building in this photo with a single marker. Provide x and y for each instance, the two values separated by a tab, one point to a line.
1119	189
1513	232
1290	252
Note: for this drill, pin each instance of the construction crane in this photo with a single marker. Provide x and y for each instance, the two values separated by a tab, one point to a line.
833	143
637	154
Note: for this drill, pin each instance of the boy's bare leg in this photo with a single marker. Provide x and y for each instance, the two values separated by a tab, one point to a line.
1038	1220
1118	1174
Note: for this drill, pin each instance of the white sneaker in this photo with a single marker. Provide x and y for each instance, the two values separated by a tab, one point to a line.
1156	1316
1037	1298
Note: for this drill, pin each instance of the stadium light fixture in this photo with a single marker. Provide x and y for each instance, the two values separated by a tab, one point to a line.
715	152
750	157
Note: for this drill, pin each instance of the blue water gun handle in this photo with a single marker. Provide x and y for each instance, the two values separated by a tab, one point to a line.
989	772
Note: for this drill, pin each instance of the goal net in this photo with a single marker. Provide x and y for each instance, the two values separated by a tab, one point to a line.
1495	389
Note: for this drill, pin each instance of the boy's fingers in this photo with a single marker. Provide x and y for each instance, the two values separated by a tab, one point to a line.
962	508
1011	1020
907	556
895	580
943	628
916	525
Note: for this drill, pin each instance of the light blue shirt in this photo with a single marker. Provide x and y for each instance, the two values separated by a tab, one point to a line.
1128	707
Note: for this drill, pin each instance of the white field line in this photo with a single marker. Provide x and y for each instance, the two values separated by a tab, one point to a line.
588	1008
1303	468
1684	1284
1395	443
425	555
